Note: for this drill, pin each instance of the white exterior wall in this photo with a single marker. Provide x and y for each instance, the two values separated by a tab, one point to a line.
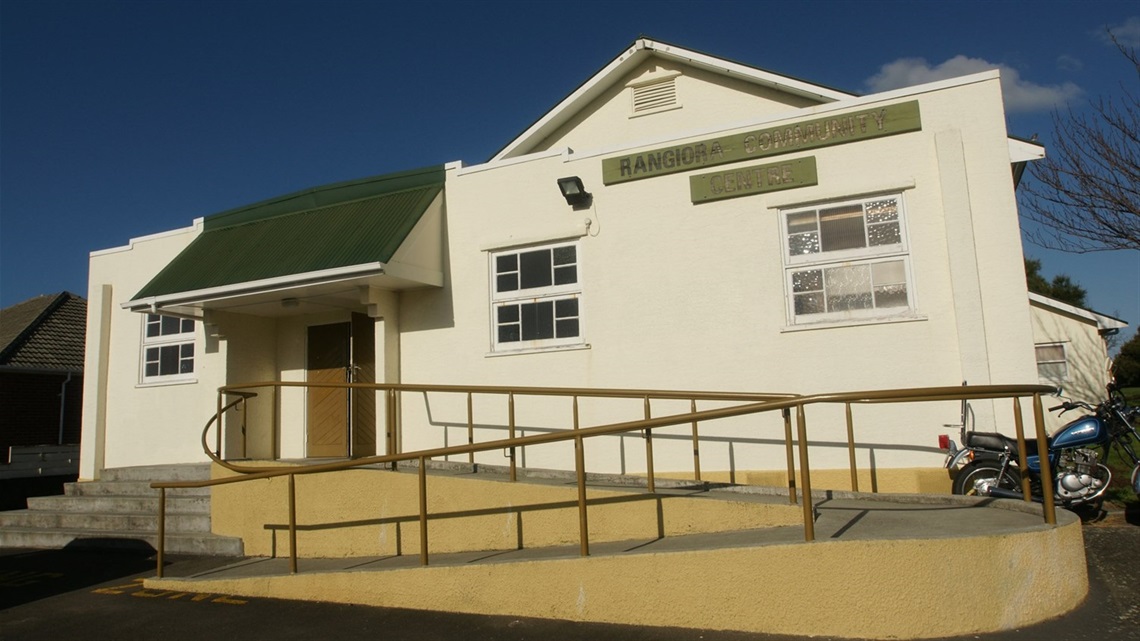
1086	354
124	421
683	296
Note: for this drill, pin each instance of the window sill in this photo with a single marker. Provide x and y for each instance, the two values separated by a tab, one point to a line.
178	381
538	350
855	322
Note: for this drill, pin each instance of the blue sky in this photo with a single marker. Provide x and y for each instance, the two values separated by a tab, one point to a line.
125	118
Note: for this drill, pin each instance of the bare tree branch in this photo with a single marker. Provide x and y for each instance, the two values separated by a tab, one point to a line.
1085	194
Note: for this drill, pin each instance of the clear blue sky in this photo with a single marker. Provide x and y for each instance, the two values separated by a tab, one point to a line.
125	118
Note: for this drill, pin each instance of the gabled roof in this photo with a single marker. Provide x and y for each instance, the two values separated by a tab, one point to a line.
641	50
1103	322
45	333
350	227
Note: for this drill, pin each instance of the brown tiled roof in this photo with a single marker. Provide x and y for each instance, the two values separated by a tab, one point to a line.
45	332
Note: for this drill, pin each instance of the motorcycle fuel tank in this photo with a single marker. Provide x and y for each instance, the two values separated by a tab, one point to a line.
1082	432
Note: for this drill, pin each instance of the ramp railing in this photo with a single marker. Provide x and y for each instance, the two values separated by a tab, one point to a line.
750	404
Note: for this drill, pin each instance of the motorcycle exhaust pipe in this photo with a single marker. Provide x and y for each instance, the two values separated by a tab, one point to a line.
1002	493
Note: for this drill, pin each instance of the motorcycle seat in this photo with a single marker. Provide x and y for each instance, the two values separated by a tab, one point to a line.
997	442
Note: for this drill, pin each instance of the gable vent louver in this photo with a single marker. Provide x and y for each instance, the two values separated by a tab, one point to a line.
655	96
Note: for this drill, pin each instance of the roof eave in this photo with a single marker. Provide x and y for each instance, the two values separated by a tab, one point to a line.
641	49
152	304
1103	321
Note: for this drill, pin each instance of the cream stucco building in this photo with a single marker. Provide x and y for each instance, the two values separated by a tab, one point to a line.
740	231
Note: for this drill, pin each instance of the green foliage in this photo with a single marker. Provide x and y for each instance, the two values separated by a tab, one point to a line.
1061	288
1126	365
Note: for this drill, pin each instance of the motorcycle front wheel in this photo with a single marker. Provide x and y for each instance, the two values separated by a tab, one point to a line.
974	478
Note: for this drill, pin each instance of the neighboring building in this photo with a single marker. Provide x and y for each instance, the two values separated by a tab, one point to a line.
1070	347
41	389
742	231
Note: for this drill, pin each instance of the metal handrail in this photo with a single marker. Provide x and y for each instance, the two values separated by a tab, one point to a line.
770	402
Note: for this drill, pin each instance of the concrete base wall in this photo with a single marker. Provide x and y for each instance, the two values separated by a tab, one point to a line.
907	588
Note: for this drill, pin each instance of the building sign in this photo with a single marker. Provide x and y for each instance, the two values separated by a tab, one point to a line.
771	141
745	181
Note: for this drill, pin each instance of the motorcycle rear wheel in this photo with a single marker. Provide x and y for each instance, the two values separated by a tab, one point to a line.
985	472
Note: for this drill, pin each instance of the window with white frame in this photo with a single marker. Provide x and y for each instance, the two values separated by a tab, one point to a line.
1052	366
847	261
536	297
168	349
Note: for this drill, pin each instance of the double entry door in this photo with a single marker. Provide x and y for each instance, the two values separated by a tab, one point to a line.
341	422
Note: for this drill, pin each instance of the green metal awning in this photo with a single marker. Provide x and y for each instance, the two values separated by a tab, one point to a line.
347	228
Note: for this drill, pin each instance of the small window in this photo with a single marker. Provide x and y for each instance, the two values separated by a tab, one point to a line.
167	349
536	298
847	261
1052	366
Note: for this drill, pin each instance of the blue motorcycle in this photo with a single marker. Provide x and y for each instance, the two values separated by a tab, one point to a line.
988	461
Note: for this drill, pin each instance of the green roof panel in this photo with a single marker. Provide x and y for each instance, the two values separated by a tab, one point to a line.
340	225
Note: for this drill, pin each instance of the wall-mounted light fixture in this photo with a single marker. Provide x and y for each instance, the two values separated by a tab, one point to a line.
573	191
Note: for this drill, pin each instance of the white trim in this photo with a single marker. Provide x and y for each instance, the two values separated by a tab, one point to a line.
1022	151
1102	322
565	152
255	286
197	226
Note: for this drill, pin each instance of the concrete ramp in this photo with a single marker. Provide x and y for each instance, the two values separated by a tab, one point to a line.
896	566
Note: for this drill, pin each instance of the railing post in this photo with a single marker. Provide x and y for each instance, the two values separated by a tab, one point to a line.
218	427
650	485
390	419
580	469
696	443
161	529
423	512
791	456
805	475
511	431
275	430
470	428
851	450
1046	467
1022	454
292	523
244	417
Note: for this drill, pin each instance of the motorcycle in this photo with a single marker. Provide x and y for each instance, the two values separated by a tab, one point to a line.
988	463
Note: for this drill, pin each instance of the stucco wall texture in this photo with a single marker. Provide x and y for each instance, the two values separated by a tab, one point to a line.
904	588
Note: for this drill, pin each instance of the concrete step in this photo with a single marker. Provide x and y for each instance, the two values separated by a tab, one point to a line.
121	510
126	488
116	503
176	543
128	522
148	473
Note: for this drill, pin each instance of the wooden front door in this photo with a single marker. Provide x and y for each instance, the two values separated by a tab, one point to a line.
342	422
328	407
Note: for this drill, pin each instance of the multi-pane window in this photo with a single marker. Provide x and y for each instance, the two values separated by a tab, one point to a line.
1052	366
847	260
536	297
168	348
